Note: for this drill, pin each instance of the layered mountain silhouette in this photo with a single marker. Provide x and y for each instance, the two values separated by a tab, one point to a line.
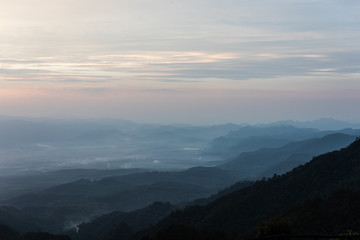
66	205
319	197
253	138
121	224
131	191
7	233
267	161
241	211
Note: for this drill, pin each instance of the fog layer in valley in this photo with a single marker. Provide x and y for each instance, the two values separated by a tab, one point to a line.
43	145
67	172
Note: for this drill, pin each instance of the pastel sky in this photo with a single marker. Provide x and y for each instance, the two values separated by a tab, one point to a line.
167	61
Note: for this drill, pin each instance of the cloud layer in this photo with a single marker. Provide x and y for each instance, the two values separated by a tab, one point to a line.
237	56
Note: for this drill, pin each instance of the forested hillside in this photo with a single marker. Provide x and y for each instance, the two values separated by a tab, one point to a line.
243	210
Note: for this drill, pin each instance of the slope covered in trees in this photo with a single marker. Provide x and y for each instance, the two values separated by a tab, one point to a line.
334	214
65	205
242	210
7	233
121	223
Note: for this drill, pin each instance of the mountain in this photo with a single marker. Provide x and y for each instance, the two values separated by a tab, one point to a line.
336	213
172	132
20	222
29	145
321	124
206	177
203	201
194	182
267	161
48	219
251	138
240	211
73	208
102	227
20	131
326	187
226	147
15	185
75	202
42	236
7	233
106	225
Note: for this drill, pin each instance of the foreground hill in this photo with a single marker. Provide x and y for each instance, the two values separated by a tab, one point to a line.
241	211
337	213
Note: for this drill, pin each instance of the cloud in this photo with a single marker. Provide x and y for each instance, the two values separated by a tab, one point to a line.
150	52
177	67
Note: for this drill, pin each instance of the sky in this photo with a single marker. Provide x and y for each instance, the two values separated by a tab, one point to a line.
167	61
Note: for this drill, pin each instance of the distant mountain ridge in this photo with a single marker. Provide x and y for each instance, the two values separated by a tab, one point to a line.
254	137
267	161
321	124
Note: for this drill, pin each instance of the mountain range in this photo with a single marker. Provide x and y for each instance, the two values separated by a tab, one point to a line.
268	161
281	180
241	211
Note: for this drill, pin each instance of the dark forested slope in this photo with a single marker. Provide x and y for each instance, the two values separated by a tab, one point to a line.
242	210
336	213
107	225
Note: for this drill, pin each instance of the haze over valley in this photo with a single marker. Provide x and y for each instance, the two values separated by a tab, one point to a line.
179	120
87	168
